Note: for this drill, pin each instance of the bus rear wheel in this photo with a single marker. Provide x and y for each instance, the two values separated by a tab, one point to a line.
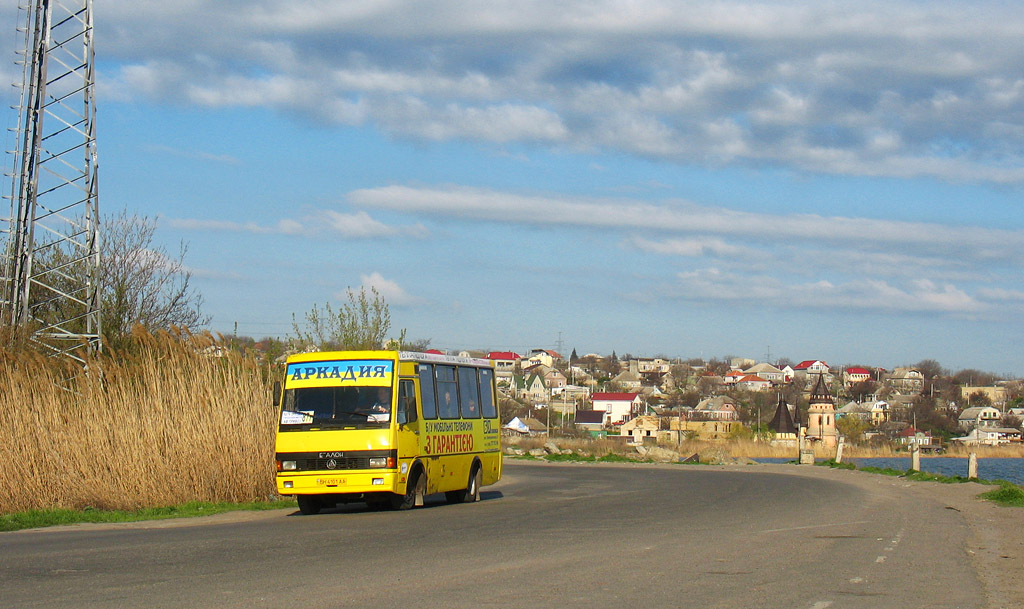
471	493
308	504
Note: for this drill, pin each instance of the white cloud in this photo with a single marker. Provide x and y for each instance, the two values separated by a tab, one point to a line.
358	225
874	88
197	155
1001	294
863	294
683	217
392	293
285	226
690	247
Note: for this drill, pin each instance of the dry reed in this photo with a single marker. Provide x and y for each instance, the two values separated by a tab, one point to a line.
173	420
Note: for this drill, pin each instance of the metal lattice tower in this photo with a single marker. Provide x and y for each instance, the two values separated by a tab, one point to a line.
51	257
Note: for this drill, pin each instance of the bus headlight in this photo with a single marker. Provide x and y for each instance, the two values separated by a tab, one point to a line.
286	466
378	461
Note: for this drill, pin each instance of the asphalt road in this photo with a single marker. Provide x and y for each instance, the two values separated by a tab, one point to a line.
545	536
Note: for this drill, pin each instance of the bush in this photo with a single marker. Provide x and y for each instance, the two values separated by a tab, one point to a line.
1007	494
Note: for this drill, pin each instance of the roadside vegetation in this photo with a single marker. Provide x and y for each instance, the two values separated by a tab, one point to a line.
1009	495
34	519
172	418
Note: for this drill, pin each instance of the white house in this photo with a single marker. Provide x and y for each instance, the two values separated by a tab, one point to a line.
812	366
852	376
768	372
991	436
620	407
753	382
504	361
906	380
977	417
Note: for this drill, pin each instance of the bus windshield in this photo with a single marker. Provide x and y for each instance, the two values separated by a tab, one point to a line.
308	408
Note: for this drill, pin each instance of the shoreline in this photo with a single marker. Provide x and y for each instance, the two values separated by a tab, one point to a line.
760	450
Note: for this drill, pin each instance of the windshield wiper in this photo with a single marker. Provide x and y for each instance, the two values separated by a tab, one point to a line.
359	414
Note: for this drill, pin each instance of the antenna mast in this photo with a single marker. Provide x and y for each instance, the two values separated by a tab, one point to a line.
50	283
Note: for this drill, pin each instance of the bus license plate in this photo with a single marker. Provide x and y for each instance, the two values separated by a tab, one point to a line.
330	481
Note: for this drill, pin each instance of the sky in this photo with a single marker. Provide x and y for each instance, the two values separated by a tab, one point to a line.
828	180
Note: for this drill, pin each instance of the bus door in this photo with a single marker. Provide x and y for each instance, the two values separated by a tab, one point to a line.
409	422
428	416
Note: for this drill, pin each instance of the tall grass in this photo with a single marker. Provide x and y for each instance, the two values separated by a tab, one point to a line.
170	420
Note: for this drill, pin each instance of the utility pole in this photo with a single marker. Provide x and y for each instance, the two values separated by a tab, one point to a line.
50	283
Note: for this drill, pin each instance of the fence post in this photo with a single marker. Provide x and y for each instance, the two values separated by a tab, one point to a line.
915	457
972	465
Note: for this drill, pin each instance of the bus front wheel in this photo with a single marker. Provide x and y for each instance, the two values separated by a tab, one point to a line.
415	491
308	504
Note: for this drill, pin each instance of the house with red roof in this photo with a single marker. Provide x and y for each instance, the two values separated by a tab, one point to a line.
620	407
852	376
812	366
752	382
504	361
733	376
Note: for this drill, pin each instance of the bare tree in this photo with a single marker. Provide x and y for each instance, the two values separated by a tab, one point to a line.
360	324
1010	420
141	283
930	368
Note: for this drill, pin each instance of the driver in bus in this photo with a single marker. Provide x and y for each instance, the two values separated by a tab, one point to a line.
380	411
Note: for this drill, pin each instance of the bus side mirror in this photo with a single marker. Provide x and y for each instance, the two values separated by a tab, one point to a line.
277	393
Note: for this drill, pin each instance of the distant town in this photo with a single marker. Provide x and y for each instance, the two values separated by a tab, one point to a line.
675	399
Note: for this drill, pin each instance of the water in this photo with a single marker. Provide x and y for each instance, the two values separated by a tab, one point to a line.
1011	470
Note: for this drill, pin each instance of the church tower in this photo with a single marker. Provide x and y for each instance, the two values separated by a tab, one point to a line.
786	430
821	415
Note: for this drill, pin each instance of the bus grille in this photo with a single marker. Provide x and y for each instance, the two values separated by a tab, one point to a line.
329	464
336	460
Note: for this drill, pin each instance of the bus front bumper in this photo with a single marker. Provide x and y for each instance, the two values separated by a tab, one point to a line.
338	482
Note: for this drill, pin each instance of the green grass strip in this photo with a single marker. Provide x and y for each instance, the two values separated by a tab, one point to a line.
1007	495
572	457
34	519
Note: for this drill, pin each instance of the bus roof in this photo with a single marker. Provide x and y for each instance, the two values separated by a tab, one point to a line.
409	356
432	358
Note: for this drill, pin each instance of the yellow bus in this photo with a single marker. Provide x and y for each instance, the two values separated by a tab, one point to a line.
386	427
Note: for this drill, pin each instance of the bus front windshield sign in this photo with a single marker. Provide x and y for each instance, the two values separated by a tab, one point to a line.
340	373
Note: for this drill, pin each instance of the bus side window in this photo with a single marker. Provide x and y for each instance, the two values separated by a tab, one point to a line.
469	394
406	401
490	410
427	394
447	392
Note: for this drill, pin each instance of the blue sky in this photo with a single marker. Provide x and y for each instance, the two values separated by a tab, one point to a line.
837	181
